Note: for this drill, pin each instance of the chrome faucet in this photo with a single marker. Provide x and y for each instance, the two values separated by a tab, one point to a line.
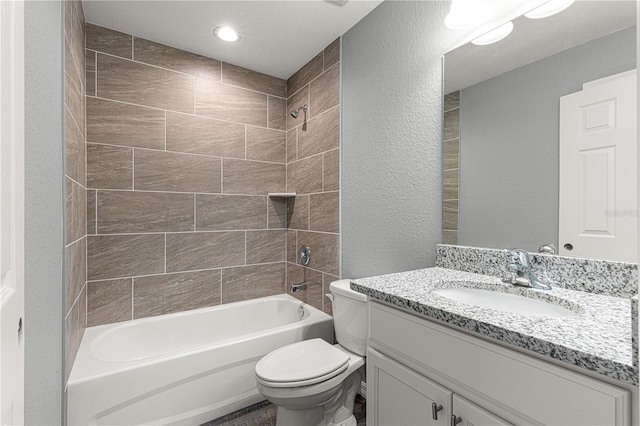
520	273
298	286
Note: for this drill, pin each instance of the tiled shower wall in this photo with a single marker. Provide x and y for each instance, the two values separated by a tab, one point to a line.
451	159
182	151
75	182
313	173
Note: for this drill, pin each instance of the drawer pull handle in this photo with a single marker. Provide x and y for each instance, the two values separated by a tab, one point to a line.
435	408
455	420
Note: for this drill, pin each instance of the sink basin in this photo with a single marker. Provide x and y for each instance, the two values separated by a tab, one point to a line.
505	302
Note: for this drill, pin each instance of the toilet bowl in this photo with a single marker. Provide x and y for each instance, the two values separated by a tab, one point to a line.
312	382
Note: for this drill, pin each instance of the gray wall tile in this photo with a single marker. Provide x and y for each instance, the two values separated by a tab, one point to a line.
141	84
250	282
217	100
109	167
324	250
116	256
163	294
204	250
266	246
164	56
75	271
277	212
324	92
123	124
74	150
305	176
313	294
266	145
322	134
277	117
108	41
167	171
90	76
298	208
109	301
331	170
332	54
304	75
294	102
223	212
76	211
324	212
252	177
242	77
126	211
201	135
91	211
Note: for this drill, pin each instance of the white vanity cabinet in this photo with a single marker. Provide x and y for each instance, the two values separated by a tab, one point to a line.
413	363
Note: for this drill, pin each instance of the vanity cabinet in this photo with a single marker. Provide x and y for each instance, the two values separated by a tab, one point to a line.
413	363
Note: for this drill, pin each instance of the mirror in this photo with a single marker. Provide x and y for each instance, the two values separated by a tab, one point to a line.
501	126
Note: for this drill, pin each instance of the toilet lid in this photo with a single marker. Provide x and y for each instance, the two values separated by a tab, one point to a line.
309	361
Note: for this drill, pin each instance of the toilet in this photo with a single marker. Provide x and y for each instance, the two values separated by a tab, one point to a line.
312	382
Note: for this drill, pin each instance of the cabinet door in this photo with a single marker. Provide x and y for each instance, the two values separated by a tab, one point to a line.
399	396
472	415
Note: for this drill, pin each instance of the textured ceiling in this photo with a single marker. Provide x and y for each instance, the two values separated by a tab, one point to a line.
276	37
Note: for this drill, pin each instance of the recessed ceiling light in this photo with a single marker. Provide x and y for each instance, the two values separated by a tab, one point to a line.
494	36
226	33
549	8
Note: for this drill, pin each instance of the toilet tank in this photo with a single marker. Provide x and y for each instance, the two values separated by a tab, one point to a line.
350	318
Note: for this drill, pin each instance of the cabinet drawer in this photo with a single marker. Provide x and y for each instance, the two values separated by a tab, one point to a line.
539	390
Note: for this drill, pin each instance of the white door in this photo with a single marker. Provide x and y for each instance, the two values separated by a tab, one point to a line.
12	212
598	215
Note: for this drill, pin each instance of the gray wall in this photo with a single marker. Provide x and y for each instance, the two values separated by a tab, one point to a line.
509	143
391	137
44	212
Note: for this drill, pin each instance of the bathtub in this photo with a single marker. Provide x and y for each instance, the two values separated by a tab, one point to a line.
184	368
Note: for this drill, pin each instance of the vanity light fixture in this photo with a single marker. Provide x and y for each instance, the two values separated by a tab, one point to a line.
495	35
226	34
466	14
549	8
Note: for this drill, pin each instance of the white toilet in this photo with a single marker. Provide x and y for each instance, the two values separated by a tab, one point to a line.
312	382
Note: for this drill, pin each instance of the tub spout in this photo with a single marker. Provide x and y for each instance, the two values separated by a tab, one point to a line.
299	286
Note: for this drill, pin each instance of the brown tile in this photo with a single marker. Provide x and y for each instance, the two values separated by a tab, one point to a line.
322	134
74	327
451	124
122	124
90	72
74	150
108	41
127	211
201	135
450	184
294	102
204	250
298	208
324	250
74	99
226	212
168	171
128	81
74	33
324	91
451	154
324	212
109	301
277	212
91	211
266	145
116	256
450	214
76	211
109	167
452	100
305	176
292	246
73	67
164	56
250	282
164	294
242	77
450	237
217	100
277	117
313	293
332	54
292	145
327	279
266	246
304	75
75	271
331	170
252	177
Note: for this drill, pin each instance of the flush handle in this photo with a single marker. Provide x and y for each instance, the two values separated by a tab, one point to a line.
435	409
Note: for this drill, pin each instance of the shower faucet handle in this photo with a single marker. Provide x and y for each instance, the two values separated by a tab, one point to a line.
305	255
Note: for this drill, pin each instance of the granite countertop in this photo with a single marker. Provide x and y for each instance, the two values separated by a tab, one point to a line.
598	339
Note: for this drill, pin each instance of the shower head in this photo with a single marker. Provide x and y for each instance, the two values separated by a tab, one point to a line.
295	112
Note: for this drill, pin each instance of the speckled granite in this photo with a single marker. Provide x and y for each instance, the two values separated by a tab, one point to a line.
598	339
574	273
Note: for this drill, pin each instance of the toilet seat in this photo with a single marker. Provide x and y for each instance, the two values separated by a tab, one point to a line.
301	364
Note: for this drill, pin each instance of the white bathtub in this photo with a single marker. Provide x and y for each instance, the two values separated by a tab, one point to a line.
184	368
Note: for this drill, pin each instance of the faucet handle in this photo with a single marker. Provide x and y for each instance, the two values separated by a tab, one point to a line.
519	257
